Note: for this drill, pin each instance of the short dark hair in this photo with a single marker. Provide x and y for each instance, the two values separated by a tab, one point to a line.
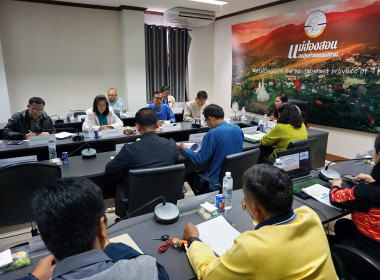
97	99
67	212
202	94
284	98
375	173
377	144
146	117
165	88
36	100
269	186
290	113
213	110
156	92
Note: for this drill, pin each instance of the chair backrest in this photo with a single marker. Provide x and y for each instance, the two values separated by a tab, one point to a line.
237	164
79	112
352	263
312	143
18	183
304	106
146	184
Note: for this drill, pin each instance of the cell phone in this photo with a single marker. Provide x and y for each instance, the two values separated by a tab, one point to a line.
348	177
15	143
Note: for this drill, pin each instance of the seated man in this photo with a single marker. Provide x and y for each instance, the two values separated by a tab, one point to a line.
150	151
167	98
194	109
163	111
222	140
30	122
285	244
114	101
70	215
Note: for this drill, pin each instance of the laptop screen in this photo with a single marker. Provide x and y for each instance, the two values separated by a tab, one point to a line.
296	162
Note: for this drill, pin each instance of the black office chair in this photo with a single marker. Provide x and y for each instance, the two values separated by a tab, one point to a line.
353	264
79	112
144	185
237	164
18	183
304	106
312	143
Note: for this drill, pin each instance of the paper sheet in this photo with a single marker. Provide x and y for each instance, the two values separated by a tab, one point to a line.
127	240
63	135
320	193
5	257
218	233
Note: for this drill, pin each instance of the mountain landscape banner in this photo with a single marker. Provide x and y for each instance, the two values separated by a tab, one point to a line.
328	56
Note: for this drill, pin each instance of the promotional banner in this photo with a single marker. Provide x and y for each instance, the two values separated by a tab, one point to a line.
328	56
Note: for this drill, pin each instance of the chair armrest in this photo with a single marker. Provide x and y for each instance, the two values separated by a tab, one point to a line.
219	185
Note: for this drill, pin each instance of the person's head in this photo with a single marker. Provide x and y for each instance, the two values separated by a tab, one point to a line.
290	113
165	90
36	107
112	94
214	115
280	99
70	215
157	99
376	150
201	98
146	120
100	105
268	192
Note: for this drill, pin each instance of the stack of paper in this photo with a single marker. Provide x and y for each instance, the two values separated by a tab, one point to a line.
253	138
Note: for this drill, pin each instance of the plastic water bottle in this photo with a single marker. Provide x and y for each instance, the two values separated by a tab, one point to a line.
52	149
265	122
277	163
227	189
243	114
91	131
72	119
203	120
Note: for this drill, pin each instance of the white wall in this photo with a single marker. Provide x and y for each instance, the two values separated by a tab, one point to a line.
4	99
342	142
65	55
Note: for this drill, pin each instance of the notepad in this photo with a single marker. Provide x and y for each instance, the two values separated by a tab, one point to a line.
320	193
218	233
127	240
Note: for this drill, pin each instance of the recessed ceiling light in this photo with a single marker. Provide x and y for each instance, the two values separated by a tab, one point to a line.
214	2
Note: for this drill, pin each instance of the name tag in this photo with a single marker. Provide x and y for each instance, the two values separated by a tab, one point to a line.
41	140
111	133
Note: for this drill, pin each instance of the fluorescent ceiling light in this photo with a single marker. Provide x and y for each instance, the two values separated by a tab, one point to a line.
214	2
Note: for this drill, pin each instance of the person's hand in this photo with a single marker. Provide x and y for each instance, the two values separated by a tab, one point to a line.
44	133
103	127
44	268
364	177
26	136
182	146
336	182
190	231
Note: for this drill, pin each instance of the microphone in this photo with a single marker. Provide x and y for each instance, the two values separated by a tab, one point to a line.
78	137
164	213
253	122
328	174
86	153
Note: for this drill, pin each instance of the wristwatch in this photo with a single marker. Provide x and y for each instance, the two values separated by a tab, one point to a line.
191	239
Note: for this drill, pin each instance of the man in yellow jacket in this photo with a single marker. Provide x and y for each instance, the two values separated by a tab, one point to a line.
285	244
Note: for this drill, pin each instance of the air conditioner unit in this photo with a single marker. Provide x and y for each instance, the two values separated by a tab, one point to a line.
189	17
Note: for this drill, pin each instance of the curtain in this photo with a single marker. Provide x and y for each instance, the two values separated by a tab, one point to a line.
166	51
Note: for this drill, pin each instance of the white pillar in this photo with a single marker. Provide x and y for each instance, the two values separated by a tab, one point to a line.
133	50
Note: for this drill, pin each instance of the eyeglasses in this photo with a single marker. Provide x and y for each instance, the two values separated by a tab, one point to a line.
102	106
158	98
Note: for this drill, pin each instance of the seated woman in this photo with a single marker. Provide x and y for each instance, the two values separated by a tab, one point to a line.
363	230
290	127
101	116
280	99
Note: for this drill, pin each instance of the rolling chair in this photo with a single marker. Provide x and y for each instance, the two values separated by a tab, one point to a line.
146	184
353	264
79	112
312	143
18	183
237	164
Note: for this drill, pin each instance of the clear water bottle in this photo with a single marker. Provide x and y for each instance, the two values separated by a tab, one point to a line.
243	114
227	189
72	119
123	109
277	163
203	122
91	131
52	149
265	121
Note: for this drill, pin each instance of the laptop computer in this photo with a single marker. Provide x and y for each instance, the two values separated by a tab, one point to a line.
296	162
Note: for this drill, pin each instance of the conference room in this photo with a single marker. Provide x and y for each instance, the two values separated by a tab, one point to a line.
68	52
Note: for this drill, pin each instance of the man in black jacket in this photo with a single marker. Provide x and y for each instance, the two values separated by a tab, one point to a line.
31	122
150	151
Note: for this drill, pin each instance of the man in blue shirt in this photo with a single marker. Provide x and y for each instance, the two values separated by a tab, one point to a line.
163	111
222	140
